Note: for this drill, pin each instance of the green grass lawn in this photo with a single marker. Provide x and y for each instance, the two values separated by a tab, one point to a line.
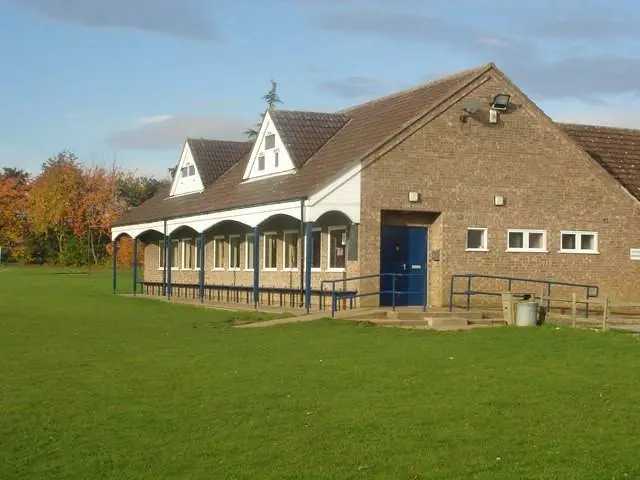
94	386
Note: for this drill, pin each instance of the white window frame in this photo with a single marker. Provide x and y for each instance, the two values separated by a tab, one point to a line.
235	269
264	251
247	267
161	246
314	269
264	162
329	267
284	250
196	252
215	252
185	242
485	240
174	259
526	232
578	249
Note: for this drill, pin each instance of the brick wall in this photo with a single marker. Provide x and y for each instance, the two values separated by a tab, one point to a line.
547	181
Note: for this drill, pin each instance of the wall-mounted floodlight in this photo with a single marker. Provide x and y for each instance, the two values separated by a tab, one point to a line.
501	102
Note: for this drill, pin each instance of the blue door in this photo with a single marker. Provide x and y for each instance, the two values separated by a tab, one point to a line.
403	251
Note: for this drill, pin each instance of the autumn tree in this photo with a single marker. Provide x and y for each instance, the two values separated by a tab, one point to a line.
272	99
55	196
12	215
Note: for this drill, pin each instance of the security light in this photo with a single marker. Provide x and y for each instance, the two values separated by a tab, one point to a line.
501	101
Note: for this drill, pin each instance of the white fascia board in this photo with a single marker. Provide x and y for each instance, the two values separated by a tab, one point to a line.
285	163
188	185
136	230
342	195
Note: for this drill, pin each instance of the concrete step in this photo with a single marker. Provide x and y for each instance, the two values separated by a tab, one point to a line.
439	322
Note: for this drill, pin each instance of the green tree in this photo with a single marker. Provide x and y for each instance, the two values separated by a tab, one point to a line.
272	99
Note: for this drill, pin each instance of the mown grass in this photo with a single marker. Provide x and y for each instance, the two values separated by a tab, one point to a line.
94	386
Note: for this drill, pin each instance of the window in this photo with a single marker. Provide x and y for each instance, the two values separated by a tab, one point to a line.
270	141
291	250
526	241
337	248
578	242
316	249
234	252
162	254
218	253
276	159
188	254
248	245
175	254
270	251
192	170
477	239
197	254
184	171
260	162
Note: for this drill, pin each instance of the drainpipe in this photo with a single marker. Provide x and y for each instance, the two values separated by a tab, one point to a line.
164	270
256	267
301	259
201	273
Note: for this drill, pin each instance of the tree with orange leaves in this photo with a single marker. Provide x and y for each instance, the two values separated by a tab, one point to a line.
12	216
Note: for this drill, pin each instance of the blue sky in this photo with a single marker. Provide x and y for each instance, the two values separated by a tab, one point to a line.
129	79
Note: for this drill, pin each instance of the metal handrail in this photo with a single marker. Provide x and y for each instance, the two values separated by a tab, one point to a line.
592	291
335	293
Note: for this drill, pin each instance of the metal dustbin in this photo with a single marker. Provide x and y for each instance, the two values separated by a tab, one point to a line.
527	314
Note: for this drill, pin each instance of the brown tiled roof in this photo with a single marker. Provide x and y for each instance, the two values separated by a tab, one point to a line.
616	149
214	157
304	133
369	125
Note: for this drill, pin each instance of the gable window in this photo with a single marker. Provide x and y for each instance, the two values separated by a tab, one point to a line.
248	253
337	248
260	162
526	240
192	170
276	159
218	253
270	141
578	242
270	251
188	254
162	254
234	252
184	171
476	239
291	250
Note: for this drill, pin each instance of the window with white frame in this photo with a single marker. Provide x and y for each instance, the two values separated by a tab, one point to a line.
175	254
162	254
270	252
261	162
276	159
270	141
316	249
578	242
197	253
234	252
188	171
337	248
188	254
248	252
218	253
526	240
290	250
476	239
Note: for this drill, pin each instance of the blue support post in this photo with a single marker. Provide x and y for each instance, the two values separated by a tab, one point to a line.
135	266
114	266
307	266
256	267
393	291
202	257
168	265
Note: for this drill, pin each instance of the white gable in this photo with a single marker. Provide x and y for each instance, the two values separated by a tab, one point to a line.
187	177
269	155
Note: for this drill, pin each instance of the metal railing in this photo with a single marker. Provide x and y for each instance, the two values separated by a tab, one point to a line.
338	294
591	291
